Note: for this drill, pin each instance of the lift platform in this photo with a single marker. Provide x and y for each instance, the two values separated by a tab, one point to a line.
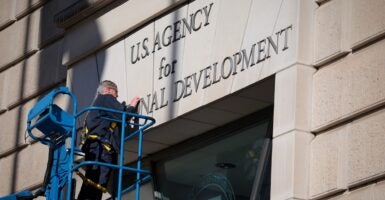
53	126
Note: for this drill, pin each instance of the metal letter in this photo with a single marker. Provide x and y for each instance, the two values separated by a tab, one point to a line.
169	37
206	77
207	13
250	58
261	49
133	61
225	76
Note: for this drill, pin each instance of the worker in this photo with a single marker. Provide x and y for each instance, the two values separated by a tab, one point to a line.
103	138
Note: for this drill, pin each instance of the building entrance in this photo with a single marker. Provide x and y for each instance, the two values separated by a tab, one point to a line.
231	162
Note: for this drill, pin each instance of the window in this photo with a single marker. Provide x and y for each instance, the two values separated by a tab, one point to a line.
234	164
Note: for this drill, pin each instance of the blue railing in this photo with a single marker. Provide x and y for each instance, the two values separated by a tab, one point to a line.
57	125
141	126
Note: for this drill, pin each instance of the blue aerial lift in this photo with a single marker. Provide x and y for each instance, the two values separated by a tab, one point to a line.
58	130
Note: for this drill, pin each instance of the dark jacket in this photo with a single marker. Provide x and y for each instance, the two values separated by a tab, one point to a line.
97	125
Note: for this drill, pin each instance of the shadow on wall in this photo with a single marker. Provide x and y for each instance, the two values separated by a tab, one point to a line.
85	74
46	74
172	112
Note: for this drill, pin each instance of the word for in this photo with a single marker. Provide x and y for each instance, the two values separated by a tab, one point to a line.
232	65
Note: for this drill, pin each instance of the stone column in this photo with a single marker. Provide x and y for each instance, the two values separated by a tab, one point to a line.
292	115
291	133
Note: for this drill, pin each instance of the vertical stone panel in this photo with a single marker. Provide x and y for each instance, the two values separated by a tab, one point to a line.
83	40
348	156
23	7
290	162
20	39
83	79
171	55
111	66
328	163
367	21
379	191
351	86
289	25
277	16
2	88
292	99
367	148
7	12
23	169
331	31
226	26
306	31
144	67
34	74
13	124
196	53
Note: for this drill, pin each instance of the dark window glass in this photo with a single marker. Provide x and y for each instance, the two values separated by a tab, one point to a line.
223	170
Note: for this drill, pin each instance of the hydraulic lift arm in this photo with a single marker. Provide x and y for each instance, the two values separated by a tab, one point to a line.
57	129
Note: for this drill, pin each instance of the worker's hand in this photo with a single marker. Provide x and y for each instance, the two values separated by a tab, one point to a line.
134	101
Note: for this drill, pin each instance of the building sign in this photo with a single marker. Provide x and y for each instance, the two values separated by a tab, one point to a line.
240	61
171	34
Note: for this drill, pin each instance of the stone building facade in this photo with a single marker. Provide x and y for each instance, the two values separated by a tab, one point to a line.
294	89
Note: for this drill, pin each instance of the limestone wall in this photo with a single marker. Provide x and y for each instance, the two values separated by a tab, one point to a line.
30	65
329	132
37	49
347	153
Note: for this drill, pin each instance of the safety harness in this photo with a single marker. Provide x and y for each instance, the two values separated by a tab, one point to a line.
85	135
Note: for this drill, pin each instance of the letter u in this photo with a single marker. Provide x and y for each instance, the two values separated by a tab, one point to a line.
133	61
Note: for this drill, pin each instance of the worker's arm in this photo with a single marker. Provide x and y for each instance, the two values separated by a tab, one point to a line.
111	102
133	107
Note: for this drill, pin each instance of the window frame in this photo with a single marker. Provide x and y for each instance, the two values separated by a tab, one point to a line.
217	134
